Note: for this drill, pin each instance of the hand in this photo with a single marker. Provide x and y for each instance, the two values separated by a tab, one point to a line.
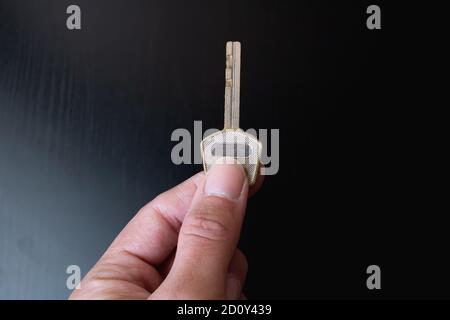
182	245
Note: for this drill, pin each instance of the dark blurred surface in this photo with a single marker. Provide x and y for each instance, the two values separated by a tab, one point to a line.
86	118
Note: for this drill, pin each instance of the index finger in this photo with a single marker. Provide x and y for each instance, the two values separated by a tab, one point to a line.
152	234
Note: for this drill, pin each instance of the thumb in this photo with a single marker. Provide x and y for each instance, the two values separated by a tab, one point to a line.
208	236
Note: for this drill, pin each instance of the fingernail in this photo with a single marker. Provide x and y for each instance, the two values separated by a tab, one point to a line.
234	287
225	180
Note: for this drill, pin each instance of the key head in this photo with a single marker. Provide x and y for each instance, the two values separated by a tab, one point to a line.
232	146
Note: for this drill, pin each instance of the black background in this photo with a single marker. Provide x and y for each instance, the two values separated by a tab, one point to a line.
86	118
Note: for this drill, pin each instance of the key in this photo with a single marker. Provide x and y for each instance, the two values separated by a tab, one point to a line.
232	144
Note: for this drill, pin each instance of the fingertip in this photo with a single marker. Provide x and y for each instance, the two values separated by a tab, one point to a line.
225	180
258	183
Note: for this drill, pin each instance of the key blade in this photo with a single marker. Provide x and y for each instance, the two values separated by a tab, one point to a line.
235	89
228	84
232	85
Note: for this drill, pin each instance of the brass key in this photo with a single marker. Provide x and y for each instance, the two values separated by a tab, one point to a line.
232	144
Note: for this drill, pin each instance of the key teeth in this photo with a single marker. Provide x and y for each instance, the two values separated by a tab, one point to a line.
229	60
228	74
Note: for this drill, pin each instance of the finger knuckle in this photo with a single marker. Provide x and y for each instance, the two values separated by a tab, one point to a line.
211	221
206	228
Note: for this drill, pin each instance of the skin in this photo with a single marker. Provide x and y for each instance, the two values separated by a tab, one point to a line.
181	245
